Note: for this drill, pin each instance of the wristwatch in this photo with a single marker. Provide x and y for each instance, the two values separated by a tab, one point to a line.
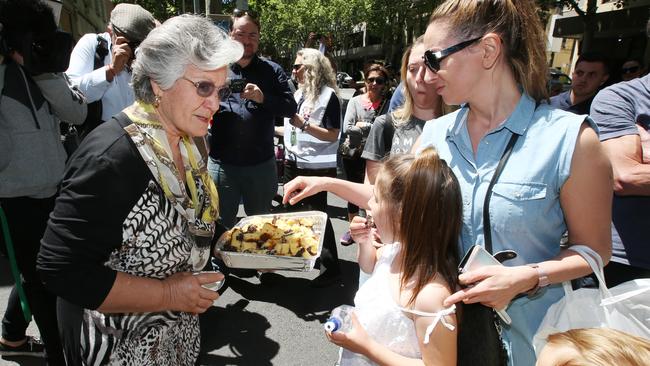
542	280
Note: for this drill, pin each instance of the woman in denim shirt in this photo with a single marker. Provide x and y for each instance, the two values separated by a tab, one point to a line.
488	56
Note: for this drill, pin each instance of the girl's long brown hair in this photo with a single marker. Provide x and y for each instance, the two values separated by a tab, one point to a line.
426	197
518	25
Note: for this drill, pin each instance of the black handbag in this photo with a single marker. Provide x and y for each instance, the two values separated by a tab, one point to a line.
70	138
479	334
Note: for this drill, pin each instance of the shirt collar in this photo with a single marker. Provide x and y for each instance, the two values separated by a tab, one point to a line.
517	122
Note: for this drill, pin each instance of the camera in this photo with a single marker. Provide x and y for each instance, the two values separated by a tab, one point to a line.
47	52
237	85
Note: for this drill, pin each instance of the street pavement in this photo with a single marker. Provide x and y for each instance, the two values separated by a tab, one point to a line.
279	322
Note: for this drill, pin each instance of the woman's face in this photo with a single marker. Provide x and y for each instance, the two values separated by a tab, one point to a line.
375	82
298	70
424	95
182	110
459	72
382	215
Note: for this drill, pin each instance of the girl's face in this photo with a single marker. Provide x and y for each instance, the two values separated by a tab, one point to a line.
424	95
383	215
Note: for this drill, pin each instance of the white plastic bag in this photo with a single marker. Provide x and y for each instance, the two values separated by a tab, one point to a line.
625	307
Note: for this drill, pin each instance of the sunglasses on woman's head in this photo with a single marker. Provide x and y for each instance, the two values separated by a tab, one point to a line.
206	89
433	59
629	70
378	80
297	66
240	13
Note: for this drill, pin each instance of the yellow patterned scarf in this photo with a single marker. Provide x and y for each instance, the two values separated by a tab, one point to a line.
200	206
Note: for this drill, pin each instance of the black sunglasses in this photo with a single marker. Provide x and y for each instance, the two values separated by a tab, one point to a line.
296	66
433	59
240	13
378	80
205	89
629	70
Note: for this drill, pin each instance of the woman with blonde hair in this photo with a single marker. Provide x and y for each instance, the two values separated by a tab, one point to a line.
396	132
311	141
594	347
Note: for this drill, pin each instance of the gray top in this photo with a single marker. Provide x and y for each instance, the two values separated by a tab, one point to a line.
355	112
32	157
617	110
385	139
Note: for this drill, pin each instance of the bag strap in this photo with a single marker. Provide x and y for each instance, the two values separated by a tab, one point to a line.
100	52
487	227
596	263
389	131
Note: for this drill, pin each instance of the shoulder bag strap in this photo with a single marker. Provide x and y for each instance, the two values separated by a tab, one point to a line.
487	227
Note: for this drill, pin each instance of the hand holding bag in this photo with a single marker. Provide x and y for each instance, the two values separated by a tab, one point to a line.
625	307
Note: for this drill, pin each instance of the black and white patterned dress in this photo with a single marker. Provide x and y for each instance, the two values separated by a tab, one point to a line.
121	202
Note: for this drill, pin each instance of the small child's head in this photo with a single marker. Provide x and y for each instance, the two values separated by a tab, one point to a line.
594	346
418	202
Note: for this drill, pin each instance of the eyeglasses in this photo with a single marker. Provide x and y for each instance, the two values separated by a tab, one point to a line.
629	70
240	13
433	59
296	67
206	89
378	80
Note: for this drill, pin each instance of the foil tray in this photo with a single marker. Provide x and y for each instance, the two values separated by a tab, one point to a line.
275	262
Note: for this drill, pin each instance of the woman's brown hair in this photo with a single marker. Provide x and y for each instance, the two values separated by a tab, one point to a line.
426	196
519	27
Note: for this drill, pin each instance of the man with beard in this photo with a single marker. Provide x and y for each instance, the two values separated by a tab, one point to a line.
242	158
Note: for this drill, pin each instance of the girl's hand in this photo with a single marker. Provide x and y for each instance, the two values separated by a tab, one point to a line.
302	187
494	286
359	230
356	340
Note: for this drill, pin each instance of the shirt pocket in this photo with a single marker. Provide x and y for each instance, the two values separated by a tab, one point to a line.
517	207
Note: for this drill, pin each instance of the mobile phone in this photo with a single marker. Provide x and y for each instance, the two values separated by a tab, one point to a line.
237	85
477	257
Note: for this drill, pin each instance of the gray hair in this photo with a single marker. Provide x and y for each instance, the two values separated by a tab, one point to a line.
180	41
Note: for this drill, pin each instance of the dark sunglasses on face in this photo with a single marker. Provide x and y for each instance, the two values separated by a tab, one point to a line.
297	67
379	80
240	13
206	89
433	59
629	70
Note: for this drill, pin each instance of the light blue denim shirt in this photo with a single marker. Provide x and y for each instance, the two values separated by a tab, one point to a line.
525	210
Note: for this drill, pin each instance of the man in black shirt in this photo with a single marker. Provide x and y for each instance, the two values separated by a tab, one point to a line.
242	158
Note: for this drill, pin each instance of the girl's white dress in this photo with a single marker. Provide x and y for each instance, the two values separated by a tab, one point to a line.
383	319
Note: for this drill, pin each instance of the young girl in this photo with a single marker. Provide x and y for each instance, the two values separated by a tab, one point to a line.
399	317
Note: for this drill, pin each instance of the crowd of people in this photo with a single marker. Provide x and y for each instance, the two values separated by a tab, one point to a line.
179	122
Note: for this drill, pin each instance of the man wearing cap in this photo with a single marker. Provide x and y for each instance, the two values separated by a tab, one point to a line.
110	83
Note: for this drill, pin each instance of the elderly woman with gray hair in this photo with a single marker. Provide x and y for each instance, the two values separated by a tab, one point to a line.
134	221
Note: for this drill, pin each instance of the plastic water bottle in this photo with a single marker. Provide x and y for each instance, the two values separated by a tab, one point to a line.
340	319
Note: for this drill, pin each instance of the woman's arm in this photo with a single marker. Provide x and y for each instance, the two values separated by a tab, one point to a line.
350	115
372	167
321	133
179	292
586	200
302	187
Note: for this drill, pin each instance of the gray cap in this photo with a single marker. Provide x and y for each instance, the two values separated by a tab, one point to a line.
133	21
